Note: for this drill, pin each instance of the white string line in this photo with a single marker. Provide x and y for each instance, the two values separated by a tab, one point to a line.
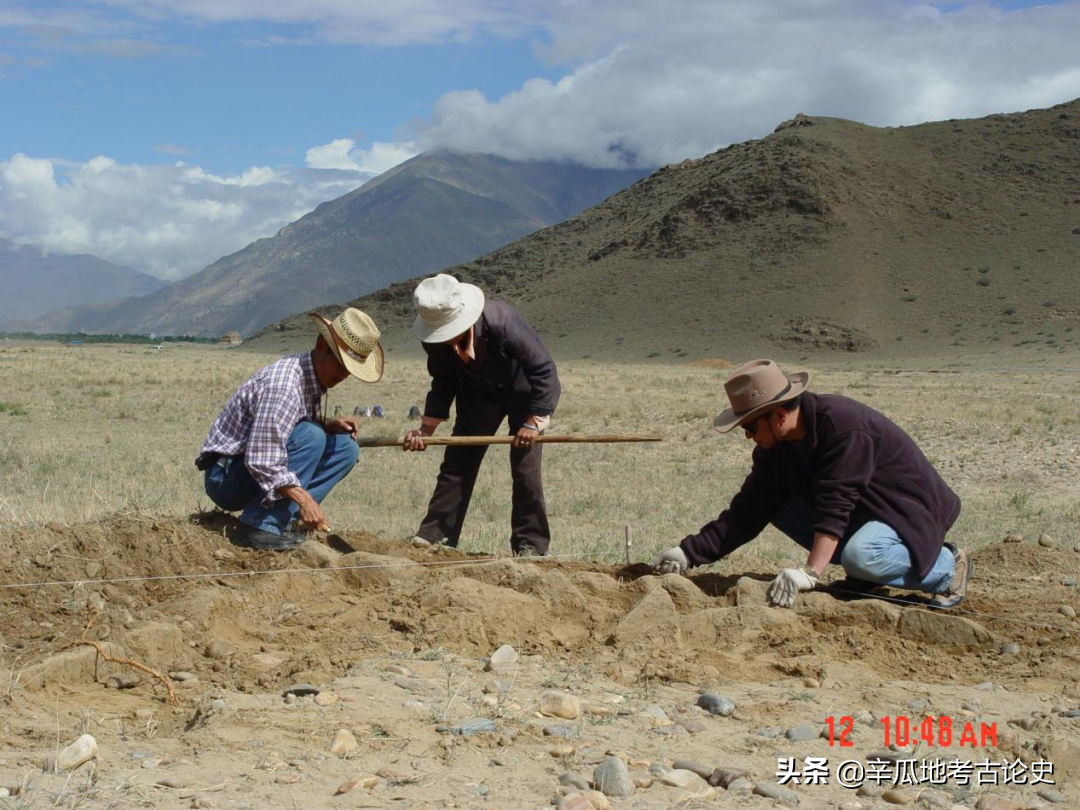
225	574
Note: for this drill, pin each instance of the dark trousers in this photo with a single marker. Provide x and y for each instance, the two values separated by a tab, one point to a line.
481	416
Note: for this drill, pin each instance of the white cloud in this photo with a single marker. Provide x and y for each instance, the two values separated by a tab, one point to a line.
169	221
658	82
342	153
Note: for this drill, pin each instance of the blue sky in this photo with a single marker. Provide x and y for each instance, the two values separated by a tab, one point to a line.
163	134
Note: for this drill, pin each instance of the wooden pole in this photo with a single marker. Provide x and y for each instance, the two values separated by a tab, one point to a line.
469	441
629	542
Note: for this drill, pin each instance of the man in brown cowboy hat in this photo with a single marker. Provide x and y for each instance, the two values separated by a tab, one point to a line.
271	452
841	480
486	357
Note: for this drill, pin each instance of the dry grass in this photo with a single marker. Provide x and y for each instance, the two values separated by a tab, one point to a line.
98	430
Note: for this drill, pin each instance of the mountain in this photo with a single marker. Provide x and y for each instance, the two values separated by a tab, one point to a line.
826	235
432	211
35	281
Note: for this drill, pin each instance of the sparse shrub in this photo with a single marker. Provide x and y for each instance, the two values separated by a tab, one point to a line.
12	409
909	297
1009	311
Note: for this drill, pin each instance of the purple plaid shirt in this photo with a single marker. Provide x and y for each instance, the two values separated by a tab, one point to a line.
258	418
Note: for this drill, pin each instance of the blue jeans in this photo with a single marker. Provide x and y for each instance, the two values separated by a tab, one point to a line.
872	552
319	459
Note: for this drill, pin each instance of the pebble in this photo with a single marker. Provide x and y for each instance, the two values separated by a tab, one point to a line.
575	801
778	793
803	732
357	781
289	779
219	649
869	791
1051	795
502	660
852	806
697	768
560	704
898	796
598	800
1068	611
1071	713
715	704
325	698
217	705
125	681
985	686
78	753
643	782
560	751
344	743
574	781
987	802
560	731
290	699
740	785
201	804
693	726
677	777
724	777
150	764
412	685
480	725
1010	648
1069	581
918	704
301	690
182	676
171	782
1076	548
496	688
654	712
612	778
1046	541
811	683
397	669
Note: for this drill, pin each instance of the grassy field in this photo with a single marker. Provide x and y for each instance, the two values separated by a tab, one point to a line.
92	431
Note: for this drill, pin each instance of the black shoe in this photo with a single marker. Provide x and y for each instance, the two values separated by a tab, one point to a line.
250	537
527	551
965	568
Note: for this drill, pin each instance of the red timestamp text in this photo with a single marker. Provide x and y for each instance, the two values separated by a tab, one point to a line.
902	731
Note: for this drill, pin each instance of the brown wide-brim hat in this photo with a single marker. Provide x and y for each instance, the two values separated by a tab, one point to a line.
755	388
354	339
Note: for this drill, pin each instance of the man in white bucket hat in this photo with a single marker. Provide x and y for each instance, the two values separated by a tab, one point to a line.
486	357
272	453
841	480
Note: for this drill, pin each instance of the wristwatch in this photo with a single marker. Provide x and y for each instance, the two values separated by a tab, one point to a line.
810	572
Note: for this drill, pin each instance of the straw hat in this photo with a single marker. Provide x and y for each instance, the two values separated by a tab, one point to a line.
445	308
354	339
755	388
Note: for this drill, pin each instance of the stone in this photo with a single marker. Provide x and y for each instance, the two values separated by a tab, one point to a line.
704	771
1010	648
357	781
289	779
344	743
78	753
503	659
412	685
560	731
654	712
560	704
1046	541
301	690
125	680
599	800
851	806
561	751
680	778
644	782
953	633
171	782
723	777
740	785
898	796
778	793
1051	795
575	801
218	649
918	704
715	704
988	802
803	732
574	781
612	778
397	669
325	698
182	676
1067	611
469	728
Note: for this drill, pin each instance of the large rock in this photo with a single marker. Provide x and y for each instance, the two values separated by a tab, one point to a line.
944	630
652	620
78	753
612	778
560	704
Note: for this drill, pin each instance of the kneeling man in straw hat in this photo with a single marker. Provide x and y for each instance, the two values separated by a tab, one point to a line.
842	481
486	357
272	452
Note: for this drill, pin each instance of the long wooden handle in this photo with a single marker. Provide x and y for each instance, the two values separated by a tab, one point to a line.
469	441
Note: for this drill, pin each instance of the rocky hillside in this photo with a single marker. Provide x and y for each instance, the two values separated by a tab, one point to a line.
428	213
34	281
826	235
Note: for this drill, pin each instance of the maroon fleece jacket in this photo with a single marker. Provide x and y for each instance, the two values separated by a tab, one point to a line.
852	466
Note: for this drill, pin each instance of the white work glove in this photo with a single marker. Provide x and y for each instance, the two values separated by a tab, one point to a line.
672	561
788	584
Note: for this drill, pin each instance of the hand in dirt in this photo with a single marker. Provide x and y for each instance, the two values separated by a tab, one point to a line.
414	440
311	514
787	586
345	424
672	561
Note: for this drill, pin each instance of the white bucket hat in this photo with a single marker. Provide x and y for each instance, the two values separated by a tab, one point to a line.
354	339
445	308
